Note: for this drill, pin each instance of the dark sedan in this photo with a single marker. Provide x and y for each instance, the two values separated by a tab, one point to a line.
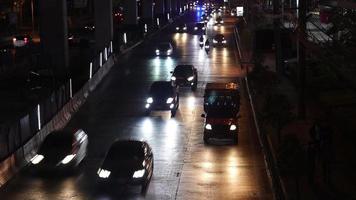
164	48
63	149
128	162
181	28
219	39
199	27
185	75
162	96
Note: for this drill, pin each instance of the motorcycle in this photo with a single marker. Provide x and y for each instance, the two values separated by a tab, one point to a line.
201	44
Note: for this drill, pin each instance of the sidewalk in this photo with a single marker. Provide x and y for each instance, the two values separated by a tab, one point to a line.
333	177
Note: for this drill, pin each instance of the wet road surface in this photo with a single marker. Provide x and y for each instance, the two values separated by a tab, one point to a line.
185	168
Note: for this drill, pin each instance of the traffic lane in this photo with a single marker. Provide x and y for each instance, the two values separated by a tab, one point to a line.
112	112
224	172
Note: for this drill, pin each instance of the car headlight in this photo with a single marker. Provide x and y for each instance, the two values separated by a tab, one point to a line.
215	41
208	127
37	159
190	78
169	51
173	78
149	100
67	159
185	28
233	127
216	21
103	173
139	173
203	28
224	41
169	100
222	21
195	28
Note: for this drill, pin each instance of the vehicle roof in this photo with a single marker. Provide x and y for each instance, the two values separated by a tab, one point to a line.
183	67
219	35
133	146
161	84
222	86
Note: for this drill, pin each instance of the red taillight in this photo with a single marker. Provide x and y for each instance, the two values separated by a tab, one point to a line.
26	40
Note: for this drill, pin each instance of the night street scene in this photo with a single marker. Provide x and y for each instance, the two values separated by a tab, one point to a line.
177	99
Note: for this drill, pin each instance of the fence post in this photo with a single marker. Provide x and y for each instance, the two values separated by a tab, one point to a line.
90	70
70	88
100	59
39	116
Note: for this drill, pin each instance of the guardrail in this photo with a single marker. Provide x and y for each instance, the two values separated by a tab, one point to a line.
272	170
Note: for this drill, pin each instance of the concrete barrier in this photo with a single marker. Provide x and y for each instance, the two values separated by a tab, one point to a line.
11	165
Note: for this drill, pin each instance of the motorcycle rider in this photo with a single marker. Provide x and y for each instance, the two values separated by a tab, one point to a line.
207	46
201	41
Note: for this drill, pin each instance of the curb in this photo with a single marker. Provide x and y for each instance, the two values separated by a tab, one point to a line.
279	191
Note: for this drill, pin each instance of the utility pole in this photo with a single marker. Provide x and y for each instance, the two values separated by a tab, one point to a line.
302	10
277	35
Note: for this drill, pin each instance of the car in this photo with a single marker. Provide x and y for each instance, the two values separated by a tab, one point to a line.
221	107
127	162
82	36
164	49
185	75
181	28
21	40
204	18
199	27
219	39
60	150
219	21
162	96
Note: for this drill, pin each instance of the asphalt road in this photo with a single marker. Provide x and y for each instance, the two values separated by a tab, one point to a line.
185	168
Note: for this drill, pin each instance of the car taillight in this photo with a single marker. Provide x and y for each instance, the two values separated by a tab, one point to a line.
26	40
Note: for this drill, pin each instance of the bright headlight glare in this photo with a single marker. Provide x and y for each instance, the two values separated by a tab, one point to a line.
214	41
37	159
190	78
149	100
169	100
139	173
157	51
233	127
195	28
103	173
173	78
177	28
208	127
185	28
224	41
67	159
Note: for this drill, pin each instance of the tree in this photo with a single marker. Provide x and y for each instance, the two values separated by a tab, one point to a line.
276	111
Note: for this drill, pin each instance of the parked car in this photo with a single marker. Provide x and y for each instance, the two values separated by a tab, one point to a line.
127	162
